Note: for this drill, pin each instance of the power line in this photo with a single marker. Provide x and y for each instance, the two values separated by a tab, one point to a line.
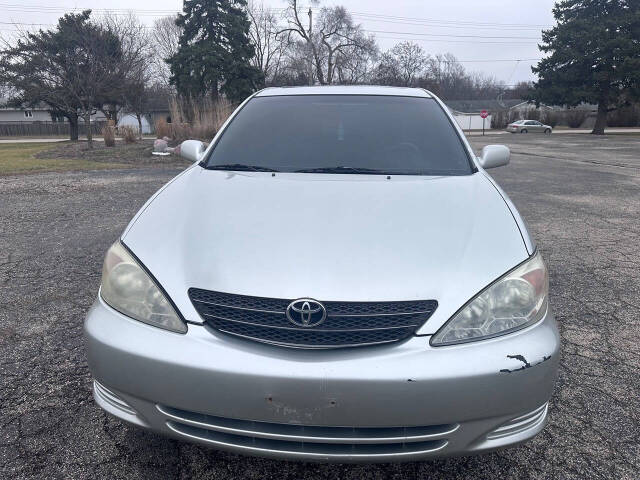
497	42
370	31
453	22
451	35
439	25
366	15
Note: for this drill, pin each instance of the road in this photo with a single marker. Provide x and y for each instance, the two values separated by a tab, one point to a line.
560	131
581	198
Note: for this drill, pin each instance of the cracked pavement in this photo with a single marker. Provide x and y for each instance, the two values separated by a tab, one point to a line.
581	198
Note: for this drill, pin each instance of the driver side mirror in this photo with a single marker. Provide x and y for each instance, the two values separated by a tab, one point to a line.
494	156
192	150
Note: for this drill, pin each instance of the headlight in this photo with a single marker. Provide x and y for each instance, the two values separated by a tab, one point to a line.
128	288
515	301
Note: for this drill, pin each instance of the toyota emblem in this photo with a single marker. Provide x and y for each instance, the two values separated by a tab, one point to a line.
306	312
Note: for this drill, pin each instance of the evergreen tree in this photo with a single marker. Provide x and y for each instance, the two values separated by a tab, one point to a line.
214	52
594	56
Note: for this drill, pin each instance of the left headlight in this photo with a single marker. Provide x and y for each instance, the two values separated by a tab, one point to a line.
514	301
128	288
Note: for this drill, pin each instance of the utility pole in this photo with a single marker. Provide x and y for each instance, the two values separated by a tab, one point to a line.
310	53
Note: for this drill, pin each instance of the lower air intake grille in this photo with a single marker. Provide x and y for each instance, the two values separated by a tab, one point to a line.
347	324
307	441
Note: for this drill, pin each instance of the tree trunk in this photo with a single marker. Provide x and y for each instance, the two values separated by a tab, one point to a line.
87	123
139	125
73	128
330	68
601	119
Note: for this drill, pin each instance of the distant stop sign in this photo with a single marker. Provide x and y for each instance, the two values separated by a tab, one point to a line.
484	114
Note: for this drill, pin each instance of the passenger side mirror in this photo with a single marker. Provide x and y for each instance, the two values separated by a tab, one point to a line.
192	150
494	156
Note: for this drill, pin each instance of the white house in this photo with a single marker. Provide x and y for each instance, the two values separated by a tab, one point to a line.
12	114
130	120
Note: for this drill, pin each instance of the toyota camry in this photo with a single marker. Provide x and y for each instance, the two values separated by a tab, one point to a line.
335	278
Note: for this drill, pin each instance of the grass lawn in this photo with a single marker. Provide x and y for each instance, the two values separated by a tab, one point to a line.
16	158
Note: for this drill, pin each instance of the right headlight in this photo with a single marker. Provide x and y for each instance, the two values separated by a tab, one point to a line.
128	288
514	301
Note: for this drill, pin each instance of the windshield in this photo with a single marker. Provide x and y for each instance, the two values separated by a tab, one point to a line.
342	134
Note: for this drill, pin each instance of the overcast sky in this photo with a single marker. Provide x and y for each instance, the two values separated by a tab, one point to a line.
487	36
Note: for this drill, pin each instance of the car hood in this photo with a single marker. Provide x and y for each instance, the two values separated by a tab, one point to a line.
328	237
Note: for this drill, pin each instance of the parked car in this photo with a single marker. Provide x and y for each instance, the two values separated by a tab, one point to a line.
526	126
336	278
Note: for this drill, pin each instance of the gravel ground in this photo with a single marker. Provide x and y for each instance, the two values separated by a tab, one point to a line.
580	196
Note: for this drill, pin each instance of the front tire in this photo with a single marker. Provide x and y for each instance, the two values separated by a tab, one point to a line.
547	131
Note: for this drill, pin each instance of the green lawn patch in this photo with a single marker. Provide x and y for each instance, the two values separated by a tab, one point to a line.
18	158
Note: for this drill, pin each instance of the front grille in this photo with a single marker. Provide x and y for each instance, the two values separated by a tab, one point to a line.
348	324
308	440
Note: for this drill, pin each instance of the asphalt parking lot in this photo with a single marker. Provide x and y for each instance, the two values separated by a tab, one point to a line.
581	198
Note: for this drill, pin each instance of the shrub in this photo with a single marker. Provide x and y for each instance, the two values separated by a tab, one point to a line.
162	128
513	116
109	135
499	119
533	114
197	118
550	118
575	117
129	134
628	116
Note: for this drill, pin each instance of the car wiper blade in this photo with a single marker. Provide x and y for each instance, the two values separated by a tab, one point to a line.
241	167
340	169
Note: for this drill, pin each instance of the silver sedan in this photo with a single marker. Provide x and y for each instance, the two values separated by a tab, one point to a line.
529	126
336	278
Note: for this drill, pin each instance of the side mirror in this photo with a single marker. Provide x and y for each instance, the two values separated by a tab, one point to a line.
494	156
192	150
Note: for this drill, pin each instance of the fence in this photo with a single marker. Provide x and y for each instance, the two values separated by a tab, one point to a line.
45	129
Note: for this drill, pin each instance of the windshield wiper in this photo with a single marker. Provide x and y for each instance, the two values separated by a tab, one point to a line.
241	167
340	169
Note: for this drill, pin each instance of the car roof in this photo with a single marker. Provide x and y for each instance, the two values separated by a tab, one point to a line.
345	90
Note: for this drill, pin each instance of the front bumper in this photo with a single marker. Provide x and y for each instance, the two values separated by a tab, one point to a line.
397	402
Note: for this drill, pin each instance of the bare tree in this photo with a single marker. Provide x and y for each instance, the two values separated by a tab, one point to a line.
411	61
355	64
334	38
270	47
343	40
134	66
164	39
402	65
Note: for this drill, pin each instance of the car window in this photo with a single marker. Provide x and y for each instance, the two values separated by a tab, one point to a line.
384	134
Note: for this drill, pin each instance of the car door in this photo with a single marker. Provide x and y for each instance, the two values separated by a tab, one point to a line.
539	127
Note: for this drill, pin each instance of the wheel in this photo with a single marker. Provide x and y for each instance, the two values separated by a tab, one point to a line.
524	130
547	131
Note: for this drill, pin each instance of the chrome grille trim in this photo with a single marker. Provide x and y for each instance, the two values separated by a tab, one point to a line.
521	423
311	434
263	438
111	398
347	324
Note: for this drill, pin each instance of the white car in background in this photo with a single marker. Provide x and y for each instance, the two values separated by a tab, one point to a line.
529	126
